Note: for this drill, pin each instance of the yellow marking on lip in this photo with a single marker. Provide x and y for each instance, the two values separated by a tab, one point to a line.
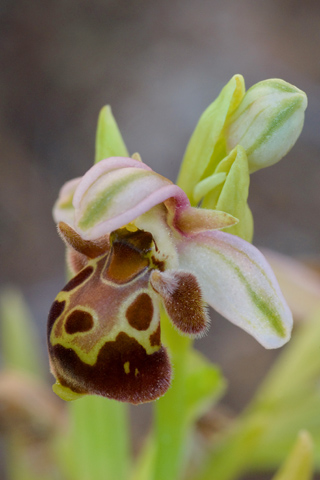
126	367
65	392
131	227
136	372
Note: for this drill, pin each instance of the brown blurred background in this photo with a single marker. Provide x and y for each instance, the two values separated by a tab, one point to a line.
159	64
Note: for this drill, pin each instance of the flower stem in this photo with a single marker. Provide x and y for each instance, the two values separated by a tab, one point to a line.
99	439
170	411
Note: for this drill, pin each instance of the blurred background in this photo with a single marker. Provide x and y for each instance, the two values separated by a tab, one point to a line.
159	64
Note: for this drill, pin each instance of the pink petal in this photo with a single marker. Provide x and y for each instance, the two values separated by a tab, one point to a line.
63	210
237	281
101	168
190	220
116	191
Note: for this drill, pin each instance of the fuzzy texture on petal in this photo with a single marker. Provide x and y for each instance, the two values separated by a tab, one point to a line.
182	299
85	247
237	281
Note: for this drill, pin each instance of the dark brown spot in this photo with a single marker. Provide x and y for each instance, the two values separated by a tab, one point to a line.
139	314
79	321
155	337
159	264
108	377
55	312
78	279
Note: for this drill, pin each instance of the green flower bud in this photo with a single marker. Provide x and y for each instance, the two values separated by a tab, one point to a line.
205	146
109	141
231	194
238	134
267	123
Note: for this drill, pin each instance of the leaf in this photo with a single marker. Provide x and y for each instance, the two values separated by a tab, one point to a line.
20	344
204	385
298	465
109	141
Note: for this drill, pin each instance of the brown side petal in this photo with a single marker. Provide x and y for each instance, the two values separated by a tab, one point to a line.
89	248
182	298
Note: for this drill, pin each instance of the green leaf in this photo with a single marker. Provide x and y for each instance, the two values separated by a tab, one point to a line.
109	142
144	464
289	396
20	344
231	195
204	385
287	402
297	369
200	151
298	465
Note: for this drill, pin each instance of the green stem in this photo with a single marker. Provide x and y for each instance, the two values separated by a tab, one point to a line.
99	443
170	411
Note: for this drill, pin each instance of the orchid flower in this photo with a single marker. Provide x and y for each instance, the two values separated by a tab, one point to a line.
136	245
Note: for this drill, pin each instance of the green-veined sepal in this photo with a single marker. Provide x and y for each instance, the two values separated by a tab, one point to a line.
109	141
204	150
232	193
237	281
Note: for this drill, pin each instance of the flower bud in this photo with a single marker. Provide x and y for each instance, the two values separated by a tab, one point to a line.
267	122
205	149
231	194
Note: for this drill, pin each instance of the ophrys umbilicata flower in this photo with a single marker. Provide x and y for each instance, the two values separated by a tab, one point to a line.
134	244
